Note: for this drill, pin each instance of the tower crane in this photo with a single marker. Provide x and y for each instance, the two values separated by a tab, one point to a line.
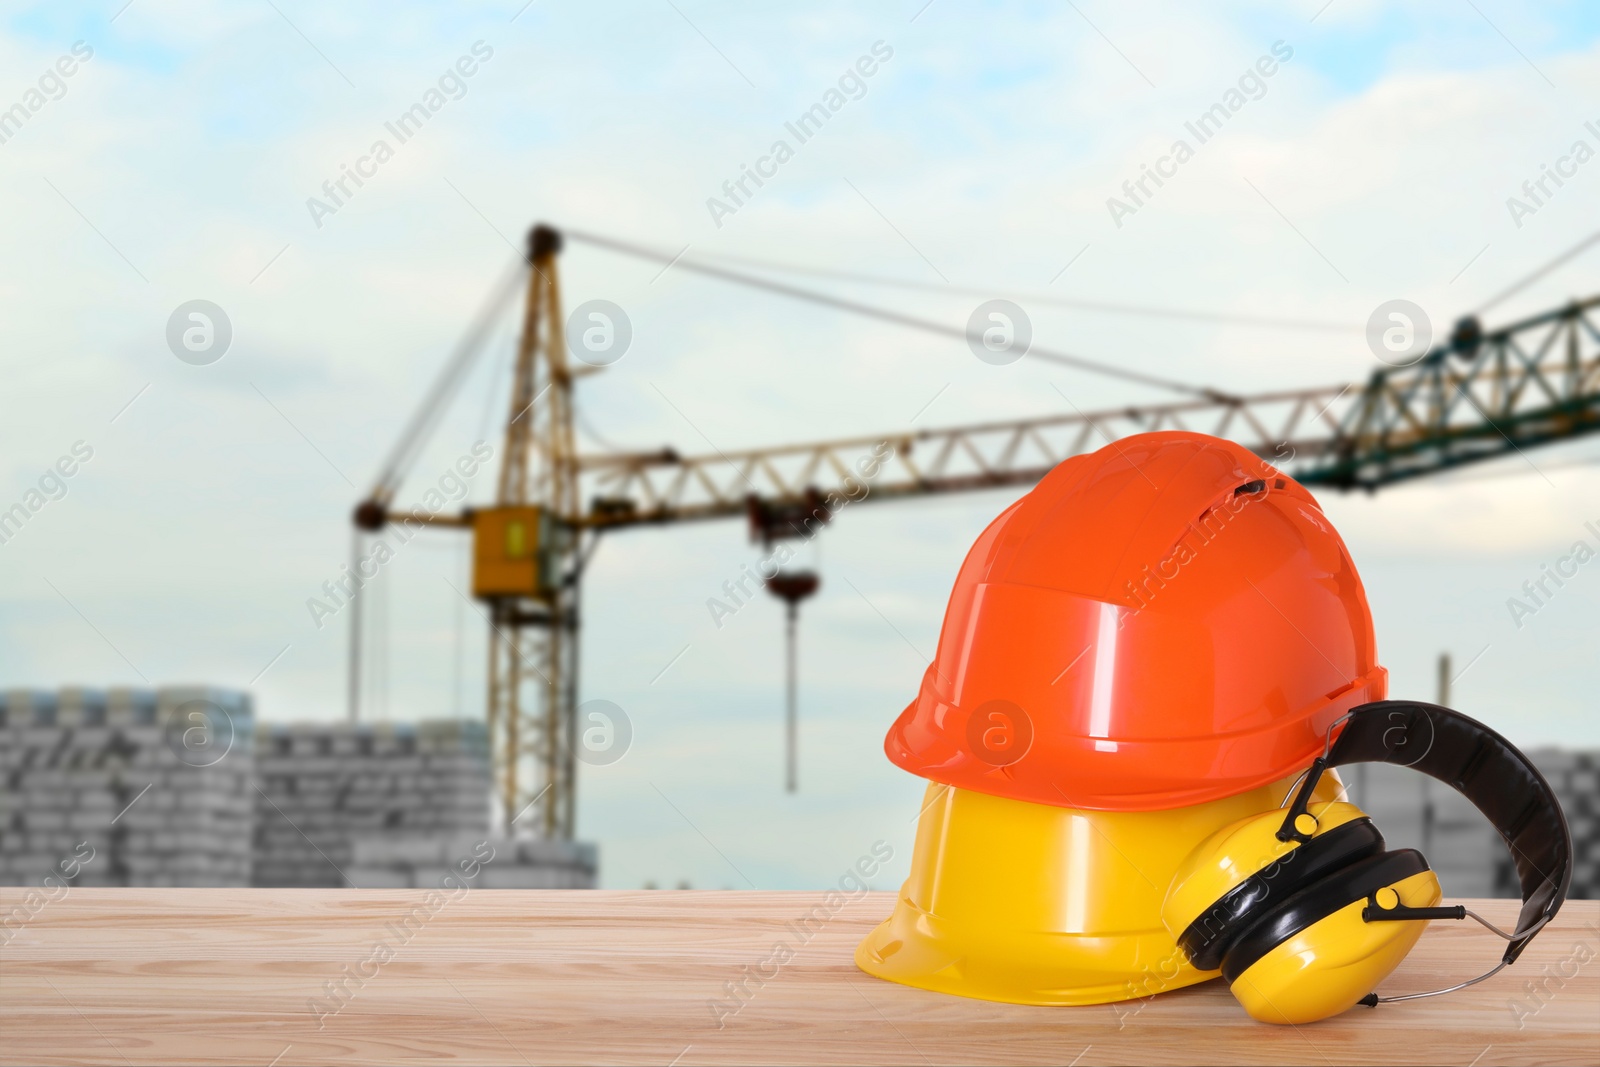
1481	395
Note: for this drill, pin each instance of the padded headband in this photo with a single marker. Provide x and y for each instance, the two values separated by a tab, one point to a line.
1482	766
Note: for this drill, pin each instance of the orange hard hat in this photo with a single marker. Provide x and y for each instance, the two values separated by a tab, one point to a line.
1165	622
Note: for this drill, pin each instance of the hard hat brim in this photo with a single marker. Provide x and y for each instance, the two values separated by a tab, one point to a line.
932	738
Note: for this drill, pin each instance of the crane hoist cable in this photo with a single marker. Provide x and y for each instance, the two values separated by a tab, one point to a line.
422	422
1272	322
587	429
1512	290
888	315
371	512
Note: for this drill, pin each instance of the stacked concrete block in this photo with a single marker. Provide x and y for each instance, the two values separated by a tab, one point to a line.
1575	777
1395	797
177	787
325	785
1468	853
127	786
1414	811
476	862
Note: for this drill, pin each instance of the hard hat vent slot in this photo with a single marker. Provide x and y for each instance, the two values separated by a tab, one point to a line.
1251	487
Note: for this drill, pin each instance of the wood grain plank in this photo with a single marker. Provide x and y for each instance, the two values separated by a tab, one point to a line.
145	976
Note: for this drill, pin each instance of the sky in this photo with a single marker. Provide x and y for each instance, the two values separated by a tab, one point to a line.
179	160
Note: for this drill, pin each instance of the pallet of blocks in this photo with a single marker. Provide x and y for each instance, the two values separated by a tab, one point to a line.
1468	854
1575	777
1395	797
324	785
1471	859
126	787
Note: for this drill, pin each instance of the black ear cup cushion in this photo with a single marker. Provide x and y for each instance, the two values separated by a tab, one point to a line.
1206	940
1315	903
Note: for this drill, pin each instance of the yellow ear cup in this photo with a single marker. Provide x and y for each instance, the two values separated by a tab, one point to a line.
1234	853
1327	967
1314	972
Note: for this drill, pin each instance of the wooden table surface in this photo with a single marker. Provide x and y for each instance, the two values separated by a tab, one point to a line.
231	976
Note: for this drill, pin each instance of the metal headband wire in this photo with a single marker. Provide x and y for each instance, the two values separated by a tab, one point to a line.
1535	928
1375	999
1327	748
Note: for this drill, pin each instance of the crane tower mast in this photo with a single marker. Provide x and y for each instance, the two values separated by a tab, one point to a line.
525	568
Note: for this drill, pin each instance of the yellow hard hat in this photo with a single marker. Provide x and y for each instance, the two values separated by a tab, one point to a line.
1037	904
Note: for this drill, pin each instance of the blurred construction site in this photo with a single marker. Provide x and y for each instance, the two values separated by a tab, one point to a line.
228	801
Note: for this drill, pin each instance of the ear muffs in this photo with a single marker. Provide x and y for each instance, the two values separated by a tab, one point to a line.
1304	911
1282	920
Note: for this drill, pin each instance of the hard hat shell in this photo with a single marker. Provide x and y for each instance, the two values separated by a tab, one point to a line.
1042	904
1162	623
